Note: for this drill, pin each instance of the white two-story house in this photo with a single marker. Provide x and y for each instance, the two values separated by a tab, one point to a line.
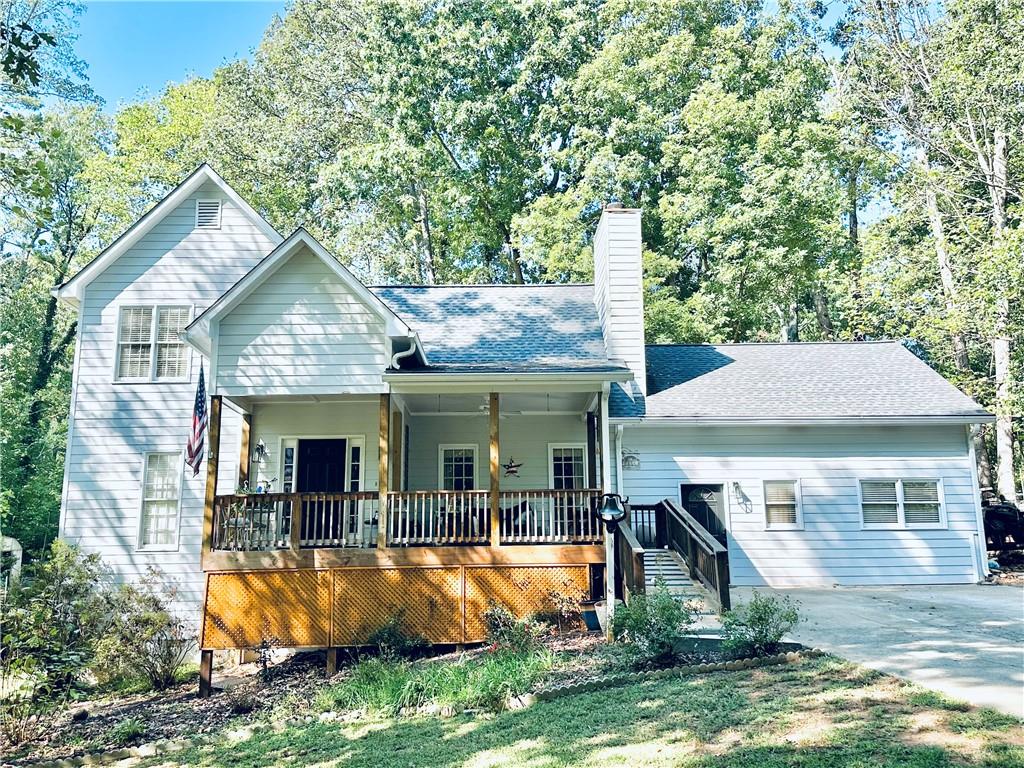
424	449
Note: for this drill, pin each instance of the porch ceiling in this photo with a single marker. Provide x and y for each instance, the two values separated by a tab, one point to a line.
511	404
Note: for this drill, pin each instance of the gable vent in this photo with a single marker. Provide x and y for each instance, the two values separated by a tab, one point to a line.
207	214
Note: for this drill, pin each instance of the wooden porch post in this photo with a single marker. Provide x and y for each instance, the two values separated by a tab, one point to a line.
212	457
244	457
383	454
495	465
592	477
205	673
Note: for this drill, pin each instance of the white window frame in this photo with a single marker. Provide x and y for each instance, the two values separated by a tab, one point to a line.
901	521
442	447
220	213
153	344
798	495
172	547
552	447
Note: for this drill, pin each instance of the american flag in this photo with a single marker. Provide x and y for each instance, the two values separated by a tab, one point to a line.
194	452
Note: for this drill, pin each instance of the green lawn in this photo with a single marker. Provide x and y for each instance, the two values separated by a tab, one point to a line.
821	712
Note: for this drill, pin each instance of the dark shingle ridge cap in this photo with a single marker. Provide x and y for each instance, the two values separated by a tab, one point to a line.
485	285
779	343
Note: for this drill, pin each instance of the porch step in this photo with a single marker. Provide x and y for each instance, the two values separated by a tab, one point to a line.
667	567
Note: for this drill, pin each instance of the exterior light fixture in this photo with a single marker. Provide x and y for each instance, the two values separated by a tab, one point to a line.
260	454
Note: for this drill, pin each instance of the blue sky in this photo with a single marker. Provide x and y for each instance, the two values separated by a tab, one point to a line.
137	47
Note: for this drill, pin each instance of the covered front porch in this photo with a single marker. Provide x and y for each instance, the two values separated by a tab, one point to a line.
410	477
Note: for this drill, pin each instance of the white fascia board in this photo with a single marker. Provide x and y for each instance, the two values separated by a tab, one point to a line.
72	290
850	421
413	383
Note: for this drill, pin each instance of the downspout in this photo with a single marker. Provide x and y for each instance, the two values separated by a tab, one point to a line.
618	458
404	354
979	547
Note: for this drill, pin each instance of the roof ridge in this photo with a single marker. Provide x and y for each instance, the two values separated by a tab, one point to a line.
486	285
779	343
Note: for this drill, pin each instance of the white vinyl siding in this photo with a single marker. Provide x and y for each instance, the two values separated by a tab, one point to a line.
148	344
301	332
115	424
782	504
901	503
161	499
829	463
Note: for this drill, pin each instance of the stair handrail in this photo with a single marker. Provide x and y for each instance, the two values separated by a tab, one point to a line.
629	555
705	556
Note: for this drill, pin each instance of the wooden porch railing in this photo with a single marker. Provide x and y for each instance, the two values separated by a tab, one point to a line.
271	521
629	559
647	522
425	518
707	559
550	516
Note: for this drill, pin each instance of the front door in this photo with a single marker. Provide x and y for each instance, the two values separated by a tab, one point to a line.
706	503
322	468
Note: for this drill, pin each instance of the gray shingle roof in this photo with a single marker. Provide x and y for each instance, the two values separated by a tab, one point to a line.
792	381
503	327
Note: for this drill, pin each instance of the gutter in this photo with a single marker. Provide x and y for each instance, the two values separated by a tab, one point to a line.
836	421
526	376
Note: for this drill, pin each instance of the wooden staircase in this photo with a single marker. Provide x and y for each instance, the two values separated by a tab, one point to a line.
667	567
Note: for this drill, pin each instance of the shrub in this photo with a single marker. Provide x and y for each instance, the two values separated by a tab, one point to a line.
127	732
145	638
757	627
241	701
650	627
506	631
50	622
393	641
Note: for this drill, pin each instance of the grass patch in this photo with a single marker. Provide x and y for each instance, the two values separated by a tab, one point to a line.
762	718
386	686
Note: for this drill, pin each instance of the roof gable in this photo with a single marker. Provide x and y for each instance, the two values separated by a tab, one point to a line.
73	289
198	331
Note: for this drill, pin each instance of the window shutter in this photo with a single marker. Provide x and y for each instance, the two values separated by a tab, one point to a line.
780	503
921	502
208	214
879	503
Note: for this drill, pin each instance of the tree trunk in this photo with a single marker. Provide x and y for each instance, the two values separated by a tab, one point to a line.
789	322
949	288
821	312
1001	341
429	272
852	198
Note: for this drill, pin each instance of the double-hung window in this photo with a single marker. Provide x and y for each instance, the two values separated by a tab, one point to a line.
782	505
149	345
161	495
901	503
457	467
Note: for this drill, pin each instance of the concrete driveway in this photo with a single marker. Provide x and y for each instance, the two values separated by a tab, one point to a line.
964	641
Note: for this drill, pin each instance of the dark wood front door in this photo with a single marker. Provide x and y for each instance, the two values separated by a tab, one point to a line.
322	469
706	503
322	466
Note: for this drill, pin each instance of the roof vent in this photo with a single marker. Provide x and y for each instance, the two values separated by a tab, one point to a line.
207	214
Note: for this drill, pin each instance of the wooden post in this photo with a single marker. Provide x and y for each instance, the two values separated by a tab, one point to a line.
295	531
495	467
244	457
722	577
205	674
212	451
383	452
332	662
592	477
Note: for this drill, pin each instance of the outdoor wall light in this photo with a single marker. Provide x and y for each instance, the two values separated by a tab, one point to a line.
260	454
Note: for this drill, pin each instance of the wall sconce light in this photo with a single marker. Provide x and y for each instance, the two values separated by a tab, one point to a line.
260	454
630	461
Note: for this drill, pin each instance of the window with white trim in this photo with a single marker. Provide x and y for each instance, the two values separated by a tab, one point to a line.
208	214
782	505
568	467
458	467
901	503
161	493
149	345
